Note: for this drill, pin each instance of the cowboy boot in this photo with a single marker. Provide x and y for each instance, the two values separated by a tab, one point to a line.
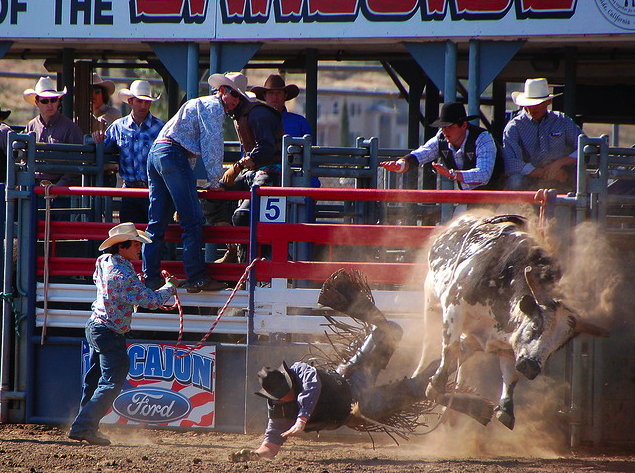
231	255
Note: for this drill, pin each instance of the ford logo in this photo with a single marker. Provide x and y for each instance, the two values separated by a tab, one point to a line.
152	405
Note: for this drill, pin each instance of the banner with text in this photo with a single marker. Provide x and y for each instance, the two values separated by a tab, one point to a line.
164	390
405	20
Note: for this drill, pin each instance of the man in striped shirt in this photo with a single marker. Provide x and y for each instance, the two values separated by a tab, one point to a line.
540	146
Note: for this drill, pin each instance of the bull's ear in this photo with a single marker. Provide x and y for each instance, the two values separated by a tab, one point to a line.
528	305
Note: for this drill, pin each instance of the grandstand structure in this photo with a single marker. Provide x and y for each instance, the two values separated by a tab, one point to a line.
586	49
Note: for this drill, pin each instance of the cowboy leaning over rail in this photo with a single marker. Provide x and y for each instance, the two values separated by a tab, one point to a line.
119	290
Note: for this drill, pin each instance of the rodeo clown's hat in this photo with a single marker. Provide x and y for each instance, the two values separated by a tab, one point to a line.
124	232
275	384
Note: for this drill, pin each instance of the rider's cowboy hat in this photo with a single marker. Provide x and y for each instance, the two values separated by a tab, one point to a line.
140	89
108	85
452	113
275	384
276	82
124	232
536	92
44	88
234	80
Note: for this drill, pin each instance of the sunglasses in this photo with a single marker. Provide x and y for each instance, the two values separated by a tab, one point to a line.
46	101
96	90
233	93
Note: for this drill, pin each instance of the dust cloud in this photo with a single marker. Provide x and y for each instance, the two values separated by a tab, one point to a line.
594	279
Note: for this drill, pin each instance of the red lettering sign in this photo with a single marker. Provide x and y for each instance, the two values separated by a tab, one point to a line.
258	11
329	7
168	11
159	7
233	7
398	7
547	5
545	8
291	7
482	6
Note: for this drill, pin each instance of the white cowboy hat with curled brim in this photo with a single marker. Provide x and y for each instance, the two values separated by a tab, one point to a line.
44	88
233	80
106	84
536	92
124	232
140	89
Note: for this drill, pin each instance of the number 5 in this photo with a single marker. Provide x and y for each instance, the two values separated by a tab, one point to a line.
273	209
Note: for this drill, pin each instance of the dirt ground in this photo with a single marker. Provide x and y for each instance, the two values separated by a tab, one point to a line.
37	448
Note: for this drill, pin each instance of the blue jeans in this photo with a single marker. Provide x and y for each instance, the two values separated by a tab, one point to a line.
171	179
108	368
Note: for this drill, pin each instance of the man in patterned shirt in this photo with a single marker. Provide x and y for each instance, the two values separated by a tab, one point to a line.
467	153
195	131
540	146
133	136
119	291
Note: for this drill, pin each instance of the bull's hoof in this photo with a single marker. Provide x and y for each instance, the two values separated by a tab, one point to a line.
505	418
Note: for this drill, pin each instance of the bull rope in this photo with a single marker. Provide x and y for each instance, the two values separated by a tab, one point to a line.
201	342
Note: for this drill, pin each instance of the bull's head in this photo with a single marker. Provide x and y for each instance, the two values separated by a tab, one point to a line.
546	325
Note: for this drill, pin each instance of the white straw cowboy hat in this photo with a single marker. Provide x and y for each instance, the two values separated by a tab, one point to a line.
140	89
124	232
233	80
44	88
536	92
106	84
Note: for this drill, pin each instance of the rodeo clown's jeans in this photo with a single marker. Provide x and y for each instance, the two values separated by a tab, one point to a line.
108	368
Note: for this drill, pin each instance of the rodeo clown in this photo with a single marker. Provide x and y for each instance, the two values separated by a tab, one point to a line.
119	291
304	397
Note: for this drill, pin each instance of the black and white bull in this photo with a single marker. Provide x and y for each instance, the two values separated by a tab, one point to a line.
496	286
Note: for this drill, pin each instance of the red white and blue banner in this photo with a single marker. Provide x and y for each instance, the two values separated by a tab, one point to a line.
163	390
217	20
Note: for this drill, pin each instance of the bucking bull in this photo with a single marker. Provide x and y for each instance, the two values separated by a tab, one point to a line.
497	290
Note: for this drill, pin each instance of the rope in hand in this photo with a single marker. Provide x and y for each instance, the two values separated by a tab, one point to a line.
177	304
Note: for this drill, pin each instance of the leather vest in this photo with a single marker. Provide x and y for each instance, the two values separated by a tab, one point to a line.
333	408
246	134
446	156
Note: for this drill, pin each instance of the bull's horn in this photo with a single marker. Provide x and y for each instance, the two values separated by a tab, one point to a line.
582	326
534	287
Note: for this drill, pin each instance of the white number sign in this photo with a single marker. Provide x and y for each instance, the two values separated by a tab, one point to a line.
273	209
